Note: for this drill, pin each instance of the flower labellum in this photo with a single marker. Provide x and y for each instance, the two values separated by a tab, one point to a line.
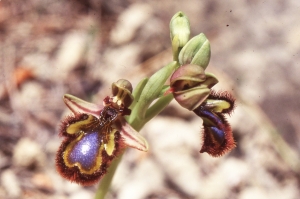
217	135
94	135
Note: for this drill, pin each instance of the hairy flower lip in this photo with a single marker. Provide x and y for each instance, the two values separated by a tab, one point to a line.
130	137
217	136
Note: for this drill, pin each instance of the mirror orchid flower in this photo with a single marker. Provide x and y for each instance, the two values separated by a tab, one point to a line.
95	134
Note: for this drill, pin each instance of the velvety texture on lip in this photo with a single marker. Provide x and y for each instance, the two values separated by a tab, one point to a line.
95	135
85	151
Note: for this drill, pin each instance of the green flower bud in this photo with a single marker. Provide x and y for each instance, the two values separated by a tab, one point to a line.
180	28
191	86
196	51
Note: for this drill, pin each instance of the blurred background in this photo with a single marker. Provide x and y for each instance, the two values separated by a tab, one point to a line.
49	48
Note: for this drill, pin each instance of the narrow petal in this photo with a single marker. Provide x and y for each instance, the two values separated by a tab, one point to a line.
132	138
77	105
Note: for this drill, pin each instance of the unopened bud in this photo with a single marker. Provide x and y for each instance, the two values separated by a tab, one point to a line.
196	51
180	28
191	86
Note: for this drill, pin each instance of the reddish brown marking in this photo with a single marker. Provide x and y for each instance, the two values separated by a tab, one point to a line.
82	108
218	149
170	90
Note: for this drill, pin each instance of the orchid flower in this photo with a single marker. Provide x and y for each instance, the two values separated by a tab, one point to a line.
95	135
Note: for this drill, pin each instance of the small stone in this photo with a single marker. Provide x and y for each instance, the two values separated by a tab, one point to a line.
129	22
172	147
28	153
70	53
11	184
70	187
52	145
253	192
230	174
30	97
115	68
82	194
3	160
142	183
43	181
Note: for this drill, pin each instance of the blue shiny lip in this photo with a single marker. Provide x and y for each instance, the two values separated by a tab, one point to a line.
214	123
219	134
212	119
86	150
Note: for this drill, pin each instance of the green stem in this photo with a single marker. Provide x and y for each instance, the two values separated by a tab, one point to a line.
107	179
175	48
156	108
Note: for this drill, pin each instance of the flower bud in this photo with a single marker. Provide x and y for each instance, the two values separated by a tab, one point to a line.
180	28
191	86
196	51
187	76
192	98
